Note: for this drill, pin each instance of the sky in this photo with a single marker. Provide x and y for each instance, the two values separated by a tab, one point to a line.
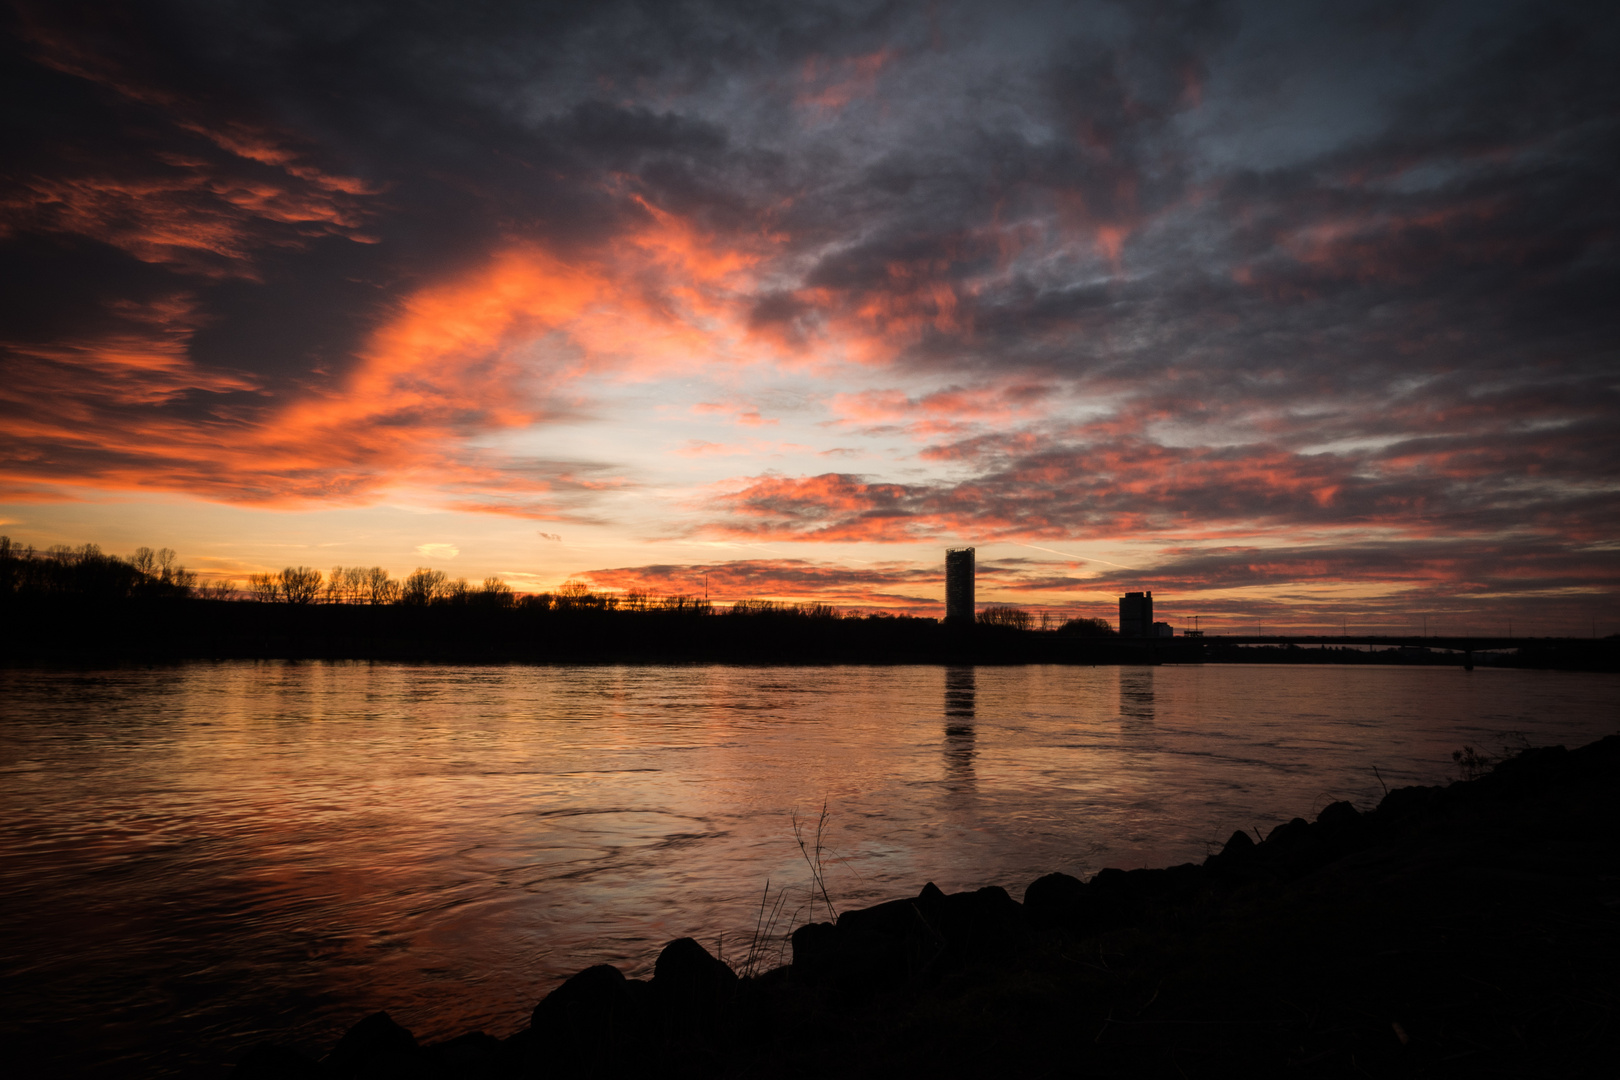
1297	314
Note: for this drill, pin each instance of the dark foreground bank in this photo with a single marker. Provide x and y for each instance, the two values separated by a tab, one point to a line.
1472	929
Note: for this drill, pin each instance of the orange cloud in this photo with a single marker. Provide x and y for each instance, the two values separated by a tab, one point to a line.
188	208
946	411
496	348
191	217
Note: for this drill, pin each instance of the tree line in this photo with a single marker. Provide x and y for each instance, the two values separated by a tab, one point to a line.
373	585
1017	618
87	571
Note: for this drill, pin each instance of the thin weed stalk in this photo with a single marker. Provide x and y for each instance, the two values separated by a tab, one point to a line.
764	931
812	858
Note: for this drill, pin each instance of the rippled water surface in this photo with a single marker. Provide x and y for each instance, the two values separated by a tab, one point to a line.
199	857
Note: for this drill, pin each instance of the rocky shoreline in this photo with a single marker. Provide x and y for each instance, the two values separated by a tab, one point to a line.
1471	929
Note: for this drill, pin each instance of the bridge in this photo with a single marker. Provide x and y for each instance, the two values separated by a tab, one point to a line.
1455	643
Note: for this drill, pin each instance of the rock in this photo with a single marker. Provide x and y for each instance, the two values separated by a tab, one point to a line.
815	948
1115	899
890	943
594	1020
687	968
692	988
271	1062
1410	802
1289	837
976	924
377	1047
1341	829
1235	860
1294	848
469	1055
1339	815
1056	901
895	918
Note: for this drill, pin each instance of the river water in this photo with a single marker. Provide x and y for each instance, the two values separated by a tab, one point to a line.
202	856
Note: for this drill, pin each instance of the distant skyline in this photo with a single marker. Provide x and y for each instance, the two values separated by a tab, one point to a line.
1296	313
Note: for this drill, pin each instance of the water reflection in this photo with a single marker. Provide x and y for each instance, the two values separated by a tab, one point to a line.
1136	711
200	855
961	699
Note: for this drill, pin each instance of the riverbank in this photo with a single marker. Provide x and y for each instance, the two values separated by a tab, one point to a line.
1471	930
63	630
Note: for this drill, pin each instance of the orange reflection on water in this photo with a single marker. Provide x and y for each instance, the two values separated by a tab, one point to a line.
203	854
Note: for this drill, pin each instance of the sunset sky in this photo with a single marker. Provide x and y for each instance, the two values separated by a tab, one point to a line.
1291	312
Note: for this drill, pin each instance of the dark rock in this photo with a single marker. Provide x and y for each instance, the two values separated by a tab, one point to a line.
1236	860
1115	899
1410	802
1532	768
815	948
1185	877
976	924
686	969
377	1047
1338	815
1294	848
594	1020
895	918
890	943
1056	901
270	1062
692	991
469	1055
1289	838
1110	880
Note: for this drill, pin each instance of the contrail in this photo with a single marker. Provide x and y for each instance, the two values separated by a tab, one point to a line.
1082	558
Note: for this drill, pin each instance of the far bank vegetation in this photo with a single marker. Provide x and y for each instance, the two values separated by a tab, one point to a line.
89	573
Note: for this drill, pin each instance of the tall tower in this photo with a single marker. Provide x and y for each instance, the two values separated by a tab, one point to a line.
1136	614
959	586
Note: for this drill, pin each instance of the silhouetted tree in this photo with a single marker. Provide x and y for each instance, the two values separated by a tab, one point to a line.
264	588
1006	615
88	571
423	586
1087	628
222	589
495	593
378	587
577	596
299	585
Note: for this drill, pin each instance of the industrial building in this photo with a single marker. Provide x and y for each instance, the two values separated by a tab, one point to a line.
959	587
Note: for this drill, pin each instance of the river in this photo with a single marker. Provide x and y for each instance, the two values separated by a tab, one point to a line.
201	856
